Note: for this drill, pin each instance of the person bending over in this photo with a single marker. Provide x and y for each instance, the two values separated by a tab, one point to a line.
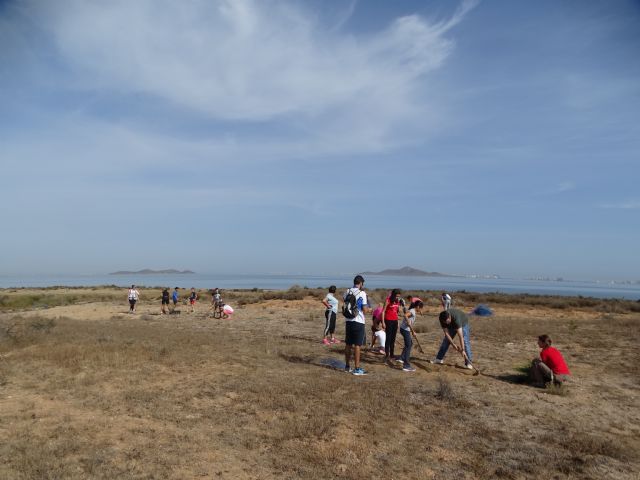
377	332
455	322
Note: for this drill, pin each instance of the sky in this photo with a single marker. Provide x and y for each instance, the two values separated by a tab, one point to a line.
320	137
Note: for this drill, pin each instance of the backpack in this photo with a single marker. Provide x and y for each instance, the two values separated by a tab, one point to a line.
350	305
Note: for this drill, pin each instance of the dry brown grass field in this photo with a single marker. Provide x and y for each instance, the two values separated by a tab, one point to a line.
90	391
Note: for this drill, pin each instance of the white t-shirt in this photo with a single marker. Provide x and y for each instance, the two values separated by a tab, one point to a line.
381	335
409	321
333	301
361	301
446	301
133	294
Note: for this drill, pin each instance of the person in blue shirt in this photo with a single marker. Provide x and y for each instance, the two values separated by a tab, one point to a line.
174	297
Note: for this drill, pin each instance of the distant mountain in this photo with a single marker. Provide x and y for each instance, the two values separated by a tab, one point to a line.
407	272
148	271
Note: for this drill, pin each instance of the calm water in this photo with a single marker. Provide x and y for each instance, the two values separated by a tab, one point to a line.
281	282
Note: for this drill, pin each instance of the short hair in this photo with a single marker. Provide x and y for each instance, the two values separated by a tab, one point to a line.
416	304
444	315
358	280
546	339
332	289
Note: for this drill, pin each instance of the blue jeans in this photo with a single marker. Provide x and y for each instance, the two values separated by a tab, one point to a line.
406	351
445	343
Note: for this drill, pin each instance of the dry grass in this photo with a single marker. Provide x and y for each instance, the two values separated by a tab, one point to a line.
87	391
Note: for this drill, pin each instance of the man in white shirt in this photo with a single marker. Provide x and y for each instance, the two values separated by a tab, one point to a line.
355	336
133	298
445	300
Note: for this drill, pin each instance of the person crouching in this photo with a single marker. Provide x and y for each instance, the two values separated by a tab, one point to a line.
550	367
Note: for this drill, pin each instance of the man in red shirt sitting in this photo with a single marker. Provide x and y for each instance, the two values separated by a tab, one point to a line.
550	367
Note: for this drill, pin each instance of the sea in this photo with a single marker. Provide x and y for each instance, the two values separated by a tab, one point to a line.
629	291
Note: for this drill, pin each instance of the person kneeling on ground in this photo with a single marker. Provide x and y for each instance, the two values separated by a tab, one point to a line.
377	332
455	322
550	367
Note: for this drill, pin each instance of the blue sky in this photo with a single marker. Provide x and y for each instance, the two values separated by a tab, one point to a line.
322	137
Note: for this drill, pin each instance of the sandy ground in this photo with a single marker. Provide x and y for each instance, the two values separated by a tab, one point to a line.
100	393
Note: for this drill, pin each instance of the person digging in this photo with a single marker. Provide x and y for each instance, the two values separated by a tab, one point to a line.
454	323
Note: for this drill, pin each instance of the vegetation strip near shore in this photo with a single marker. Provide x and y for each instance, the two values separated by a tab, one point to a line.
90	391
27	298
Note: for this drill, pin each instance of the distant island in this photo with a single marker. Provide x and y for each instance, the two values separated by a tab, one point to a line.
148	271
408	272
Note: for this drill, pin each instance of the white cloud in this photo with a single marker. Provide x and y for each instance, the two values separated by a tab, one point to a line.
252	61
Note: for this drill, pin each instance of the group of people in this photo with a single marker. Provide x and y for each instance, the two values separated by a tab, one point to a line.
399	314
217	305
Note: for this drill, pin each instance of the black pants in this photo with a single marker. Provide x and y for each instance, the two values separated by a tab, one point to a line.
392	330
330	324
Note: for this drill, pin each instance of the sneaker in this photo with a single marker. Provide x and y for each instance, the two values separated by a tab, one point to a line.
335	341
398	360
326	342
469	366
438	361
348	369
359	371
408	369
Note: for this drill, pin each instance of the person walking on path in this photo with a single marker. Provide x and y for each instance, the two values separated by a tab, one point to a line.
445	300
193	296
550	367
165	301
330	303
455	322
134	295
406	329
174	298
354	308
390	323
